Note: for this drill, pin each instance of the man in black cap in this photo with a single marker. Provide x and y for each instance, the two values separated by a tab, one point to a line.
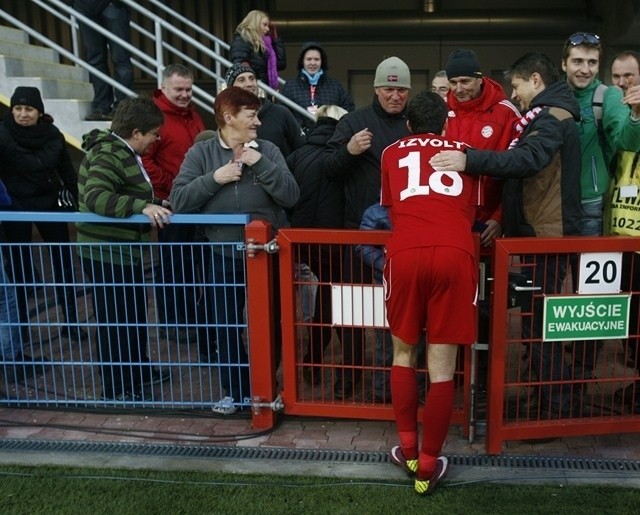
480	116
278	124
465	76
541	175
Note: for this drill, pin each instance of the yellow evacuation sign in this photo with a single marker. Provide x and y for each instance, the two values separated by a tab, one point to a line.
586	317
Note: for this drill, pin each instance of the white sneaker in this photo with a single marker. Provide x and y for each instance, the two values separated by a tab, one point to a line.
224	406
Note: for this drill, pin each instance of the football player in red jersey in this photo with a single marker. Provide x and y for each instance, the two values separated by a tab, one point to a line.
430	279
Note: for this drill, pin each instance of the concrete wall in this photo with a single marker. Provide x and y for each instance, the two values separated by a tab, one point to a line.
353	61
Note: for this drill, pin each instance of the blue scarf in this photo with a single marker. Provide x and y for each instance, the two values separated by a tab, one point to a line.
313	79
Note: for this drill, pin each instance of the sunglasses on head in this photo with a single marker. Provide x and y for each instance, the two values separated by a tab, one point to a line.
580	38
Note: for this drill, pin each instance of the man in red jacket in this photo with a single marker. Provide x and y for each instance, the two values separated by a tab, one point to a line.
480	116
174	305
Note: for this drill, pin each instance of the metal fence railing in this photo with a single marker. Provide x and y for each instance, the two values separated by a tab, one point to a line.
337	345
63	343
563	345
563	353
562	349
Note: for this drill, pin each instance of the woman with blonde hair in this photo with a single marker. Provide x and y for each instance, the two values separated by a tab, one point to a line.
321	205
256	43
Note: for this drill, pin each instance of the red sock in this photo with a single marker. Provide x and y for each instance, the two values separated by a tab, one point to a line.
435	421
404	397
426	466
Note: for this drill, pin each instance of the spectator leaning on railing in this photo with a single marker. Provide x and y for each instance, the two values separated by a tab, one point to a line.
114	183
233	172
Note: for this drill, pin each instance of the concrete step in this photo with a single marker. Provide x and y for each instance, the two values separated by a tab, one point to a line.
17	67
68	115
53	88
66	90
12	48
11	34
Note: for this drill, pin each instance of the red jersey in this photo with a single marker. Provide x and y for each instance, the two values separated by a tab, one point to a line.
427	208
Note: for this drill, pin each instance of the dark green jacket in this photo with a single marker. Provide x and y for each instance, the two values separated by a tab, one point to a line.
111	183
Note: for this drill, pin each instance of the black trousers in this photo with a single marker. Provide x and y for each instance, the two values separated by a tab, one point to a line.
120	306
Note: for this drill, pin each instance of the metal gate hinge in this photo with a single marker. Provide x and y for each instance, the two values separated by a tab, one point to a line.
253	248
257	403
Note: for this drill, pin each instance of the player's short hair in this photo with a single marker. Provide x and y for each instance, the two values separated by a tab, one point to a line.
427	112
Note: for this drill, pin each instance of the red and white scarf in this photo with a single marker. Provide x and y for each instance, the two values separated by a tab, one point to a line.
521	124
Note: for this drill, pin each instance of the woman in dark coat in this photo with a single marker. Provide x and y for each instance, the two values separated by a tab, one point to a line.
313	87
35	162
321	205
256	43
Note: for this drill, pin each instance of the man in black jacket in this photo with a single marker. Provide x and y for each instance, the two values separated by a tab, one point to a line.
115	17
353	156
541	197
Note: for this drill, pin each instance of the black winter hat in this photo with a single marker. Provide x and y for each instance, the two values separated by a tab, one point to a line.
235	70
463	63
27	96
